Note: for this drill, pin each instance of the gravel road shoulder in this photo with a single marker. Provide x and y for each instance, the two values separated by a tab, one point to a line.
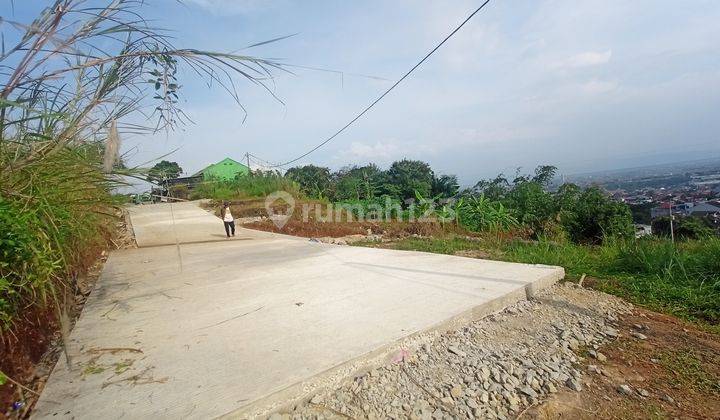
497	367
572	353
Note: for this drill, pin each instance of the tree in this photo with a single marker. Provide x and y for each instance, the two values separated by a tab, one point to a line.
641	212
544	174
405	177
163	170
445	186
493	189
566	202
526	197
598	216
356	182
313	180
531	205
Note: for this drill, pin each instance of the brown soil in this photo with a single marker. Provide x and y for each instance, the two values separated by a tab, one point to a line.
249	207
337	230
676	360
313	228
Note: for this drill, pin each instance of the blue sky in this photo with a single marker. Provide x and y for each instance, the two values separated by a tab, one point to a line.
583	85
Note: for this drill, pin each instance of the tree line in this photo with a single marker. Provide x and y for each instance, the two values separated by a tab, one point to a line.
524	202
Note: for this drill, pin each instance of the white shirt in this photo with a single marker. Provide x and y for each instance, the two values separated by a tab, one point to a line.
228	216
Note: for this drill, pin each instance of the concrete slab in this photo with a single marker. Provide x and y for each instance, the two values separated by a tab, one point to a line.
182	222
241	325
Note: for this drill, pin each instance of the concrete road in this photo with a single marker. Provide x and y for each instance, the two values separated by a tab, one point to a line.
232	327
186	222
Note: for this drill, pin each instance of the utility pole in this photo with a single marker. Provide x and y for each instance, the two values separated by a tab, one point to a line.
672	229
247	156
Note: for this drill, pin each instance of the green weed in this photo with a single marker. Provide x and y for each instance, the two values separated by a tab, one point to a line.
55	216
688	372
93	369
256	185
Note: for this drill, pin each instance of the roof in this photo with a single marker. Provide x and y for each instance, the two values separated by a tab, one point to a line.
706	207
226	160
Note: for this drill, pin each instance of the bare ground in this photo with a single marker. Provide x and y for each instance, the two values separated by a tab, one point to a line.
677	364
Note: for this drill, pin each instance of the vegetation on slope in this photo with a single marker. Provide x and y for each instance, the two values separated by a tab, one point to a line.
73	76
259	184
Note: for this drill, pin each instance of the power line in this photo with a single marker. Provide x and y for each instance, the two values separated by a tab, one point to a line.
367	108
263	162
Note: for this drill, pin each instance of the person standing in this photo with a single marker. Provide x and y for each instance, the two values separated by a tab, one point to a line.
228	219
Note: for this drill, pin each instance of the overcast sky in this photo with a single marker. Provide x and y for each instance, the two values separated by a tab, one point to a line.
584	85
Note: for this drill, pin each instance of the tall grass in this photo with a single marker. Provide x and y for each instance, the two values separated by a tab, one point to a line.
55	217
72	77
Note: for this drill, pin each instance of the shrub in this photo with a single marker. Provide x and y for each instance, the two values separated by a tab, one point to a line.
596	216
54	219
26	262
683	227
259	184
478	214
531	205
378	208
313	180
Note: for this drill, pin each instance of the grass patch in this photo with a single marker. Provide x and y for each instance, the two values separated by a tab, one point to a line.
688	372
256	185
56	216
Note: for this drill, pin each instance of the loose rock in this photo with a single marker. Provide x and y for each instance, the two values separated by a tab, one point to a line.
625	389
491	368
455	350
574	385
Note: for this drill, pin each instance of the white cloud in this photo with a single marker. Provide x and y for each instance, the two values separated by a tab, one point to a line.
383	152
595	87
587	59
378	152
511	88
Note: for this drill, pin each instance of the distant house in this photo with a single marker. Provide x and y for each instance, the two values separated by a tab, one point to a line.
227	169
706	208
682	209
661	211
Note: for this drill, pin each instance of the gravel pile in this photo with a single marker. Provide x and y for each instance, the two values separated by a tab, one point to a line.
493	368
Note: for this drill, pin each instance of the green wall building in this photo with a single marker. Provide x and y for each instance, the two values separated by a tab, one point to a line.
226	169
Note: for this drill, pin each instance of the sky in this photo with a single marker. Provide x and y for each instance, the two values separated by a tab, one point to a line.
583	85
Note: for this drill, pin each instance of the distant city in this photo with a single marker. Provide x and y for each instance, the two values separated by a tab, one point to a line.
682	189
